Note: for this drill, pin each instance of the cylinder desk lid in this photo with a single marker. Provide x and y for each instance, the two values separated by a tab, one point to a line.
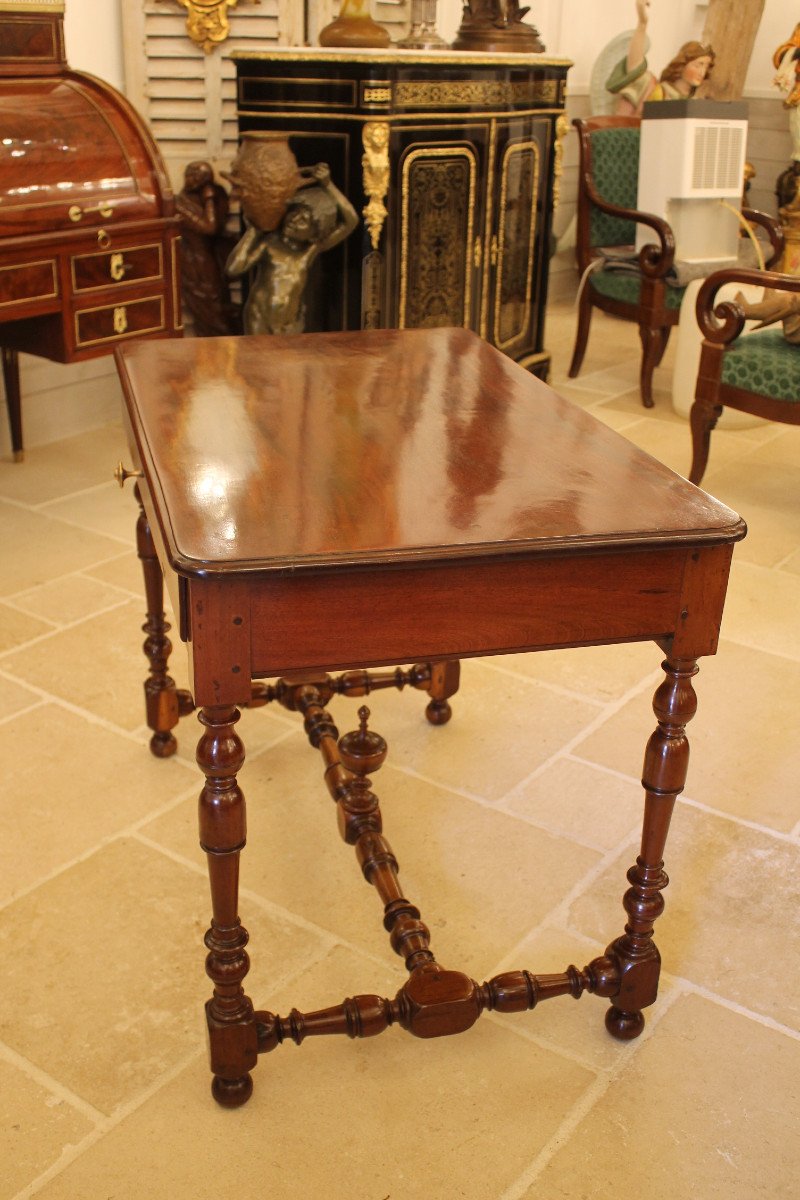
72	153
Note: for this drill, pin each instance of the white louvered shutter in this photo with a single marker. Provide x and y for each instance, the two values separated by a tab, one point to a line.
188	97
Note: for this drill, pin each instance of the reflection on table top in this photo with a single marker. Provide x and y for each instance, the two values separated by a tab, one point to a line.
264	453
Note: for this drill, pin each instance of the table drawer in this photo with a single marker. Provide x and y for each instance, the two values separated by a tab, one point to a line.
131	264
115	322
26	283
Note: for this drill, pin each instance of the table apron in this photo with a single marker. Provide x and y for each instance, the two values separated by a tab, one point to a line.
271	623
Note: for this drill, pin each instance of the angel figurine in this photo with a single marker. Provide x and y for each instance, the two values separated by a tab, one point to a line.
633	83
786	61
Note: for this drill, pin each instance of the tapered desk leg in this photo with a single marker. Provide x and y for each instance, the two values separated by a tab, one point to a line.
164	703
665	764
233	1040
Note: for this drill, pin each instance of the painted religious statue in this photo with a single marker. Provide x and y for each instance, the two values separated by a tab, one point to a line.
632	82
316	217
773	307
786	61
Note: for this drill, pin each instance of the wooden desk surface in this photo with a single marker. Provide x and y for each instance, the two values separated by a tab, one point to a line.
324	450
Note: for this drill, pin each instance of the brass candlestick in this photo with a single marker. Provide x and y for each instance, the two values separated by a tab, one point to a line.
422	34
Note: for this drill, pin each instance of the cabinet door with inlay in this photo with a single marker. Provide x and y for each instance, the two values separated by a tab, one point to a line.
439	191
518	253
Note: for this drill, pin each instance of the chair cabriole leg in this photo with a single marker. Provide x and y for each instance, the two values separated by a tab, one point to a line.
582	334
703	419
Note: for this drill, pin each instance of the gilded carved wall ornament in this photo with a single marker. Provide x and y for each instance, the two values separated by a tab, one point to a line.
375	164
207	21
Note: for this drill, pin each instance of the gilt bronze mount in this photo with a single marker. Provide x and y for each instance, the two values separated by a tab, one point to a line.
207	21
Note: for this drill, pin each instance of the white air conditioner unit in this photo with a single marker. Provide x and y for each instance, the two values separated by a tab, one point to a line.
691	158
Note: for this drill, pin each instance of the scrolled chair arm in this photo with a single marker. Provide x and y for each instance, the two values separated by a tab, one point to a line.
654	260
722	323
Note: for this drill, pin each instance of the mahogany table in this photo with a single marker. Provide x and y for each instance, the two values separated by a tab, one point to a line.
352	501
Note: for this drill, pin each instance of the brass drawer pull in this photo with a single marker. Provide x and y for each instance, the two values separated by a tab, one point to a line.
122	473
76	213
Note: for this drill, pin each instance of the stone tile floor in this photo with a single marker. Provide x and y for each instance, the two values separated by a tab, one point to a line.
530	804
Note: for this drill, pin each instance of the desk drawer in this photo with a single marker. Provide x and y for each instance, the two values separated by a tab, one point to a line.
115	322
26	283
130	264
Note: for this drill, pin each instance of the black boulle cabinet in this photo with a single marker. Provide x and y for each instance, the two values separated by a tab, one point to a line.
453	161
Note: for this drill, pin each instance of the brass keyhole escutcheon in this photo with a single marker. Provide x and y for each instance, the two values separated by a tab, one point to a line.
117	267
120	319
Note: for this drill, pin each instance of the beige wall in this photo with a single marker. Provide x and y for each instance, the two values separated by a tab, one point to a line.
93	32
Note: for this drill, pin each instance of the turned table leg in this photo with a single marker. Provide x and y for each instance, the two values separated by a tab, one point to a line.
665	765
445	677
11	381
164	703
233	1039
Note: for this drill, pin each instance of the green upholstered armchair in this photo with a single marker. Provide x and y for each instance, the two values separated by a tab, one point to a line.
607	220
758	373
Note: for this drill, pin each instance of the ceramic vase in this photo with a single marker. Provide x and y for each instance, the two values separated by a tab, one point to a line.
354	27
265	176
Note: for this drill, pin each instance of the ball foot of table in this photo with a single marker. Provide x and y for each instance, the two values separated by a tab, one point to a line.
163	745
444	681
625	1026
438	712
232	1093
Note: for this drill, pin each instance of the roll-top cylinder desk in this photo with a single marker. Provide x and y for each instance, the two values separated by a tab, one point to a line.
453	160
88	234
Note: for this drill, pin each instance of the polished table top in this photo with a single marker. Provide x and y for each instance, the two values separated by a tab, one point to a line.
269	453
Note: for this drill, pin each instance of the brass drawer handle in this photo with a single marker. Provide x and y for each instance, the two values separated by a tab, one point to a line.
76	213
122	473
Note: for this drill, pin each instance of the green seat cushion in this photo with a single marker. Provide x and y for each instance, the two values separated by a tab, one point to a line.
764	363
625	286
